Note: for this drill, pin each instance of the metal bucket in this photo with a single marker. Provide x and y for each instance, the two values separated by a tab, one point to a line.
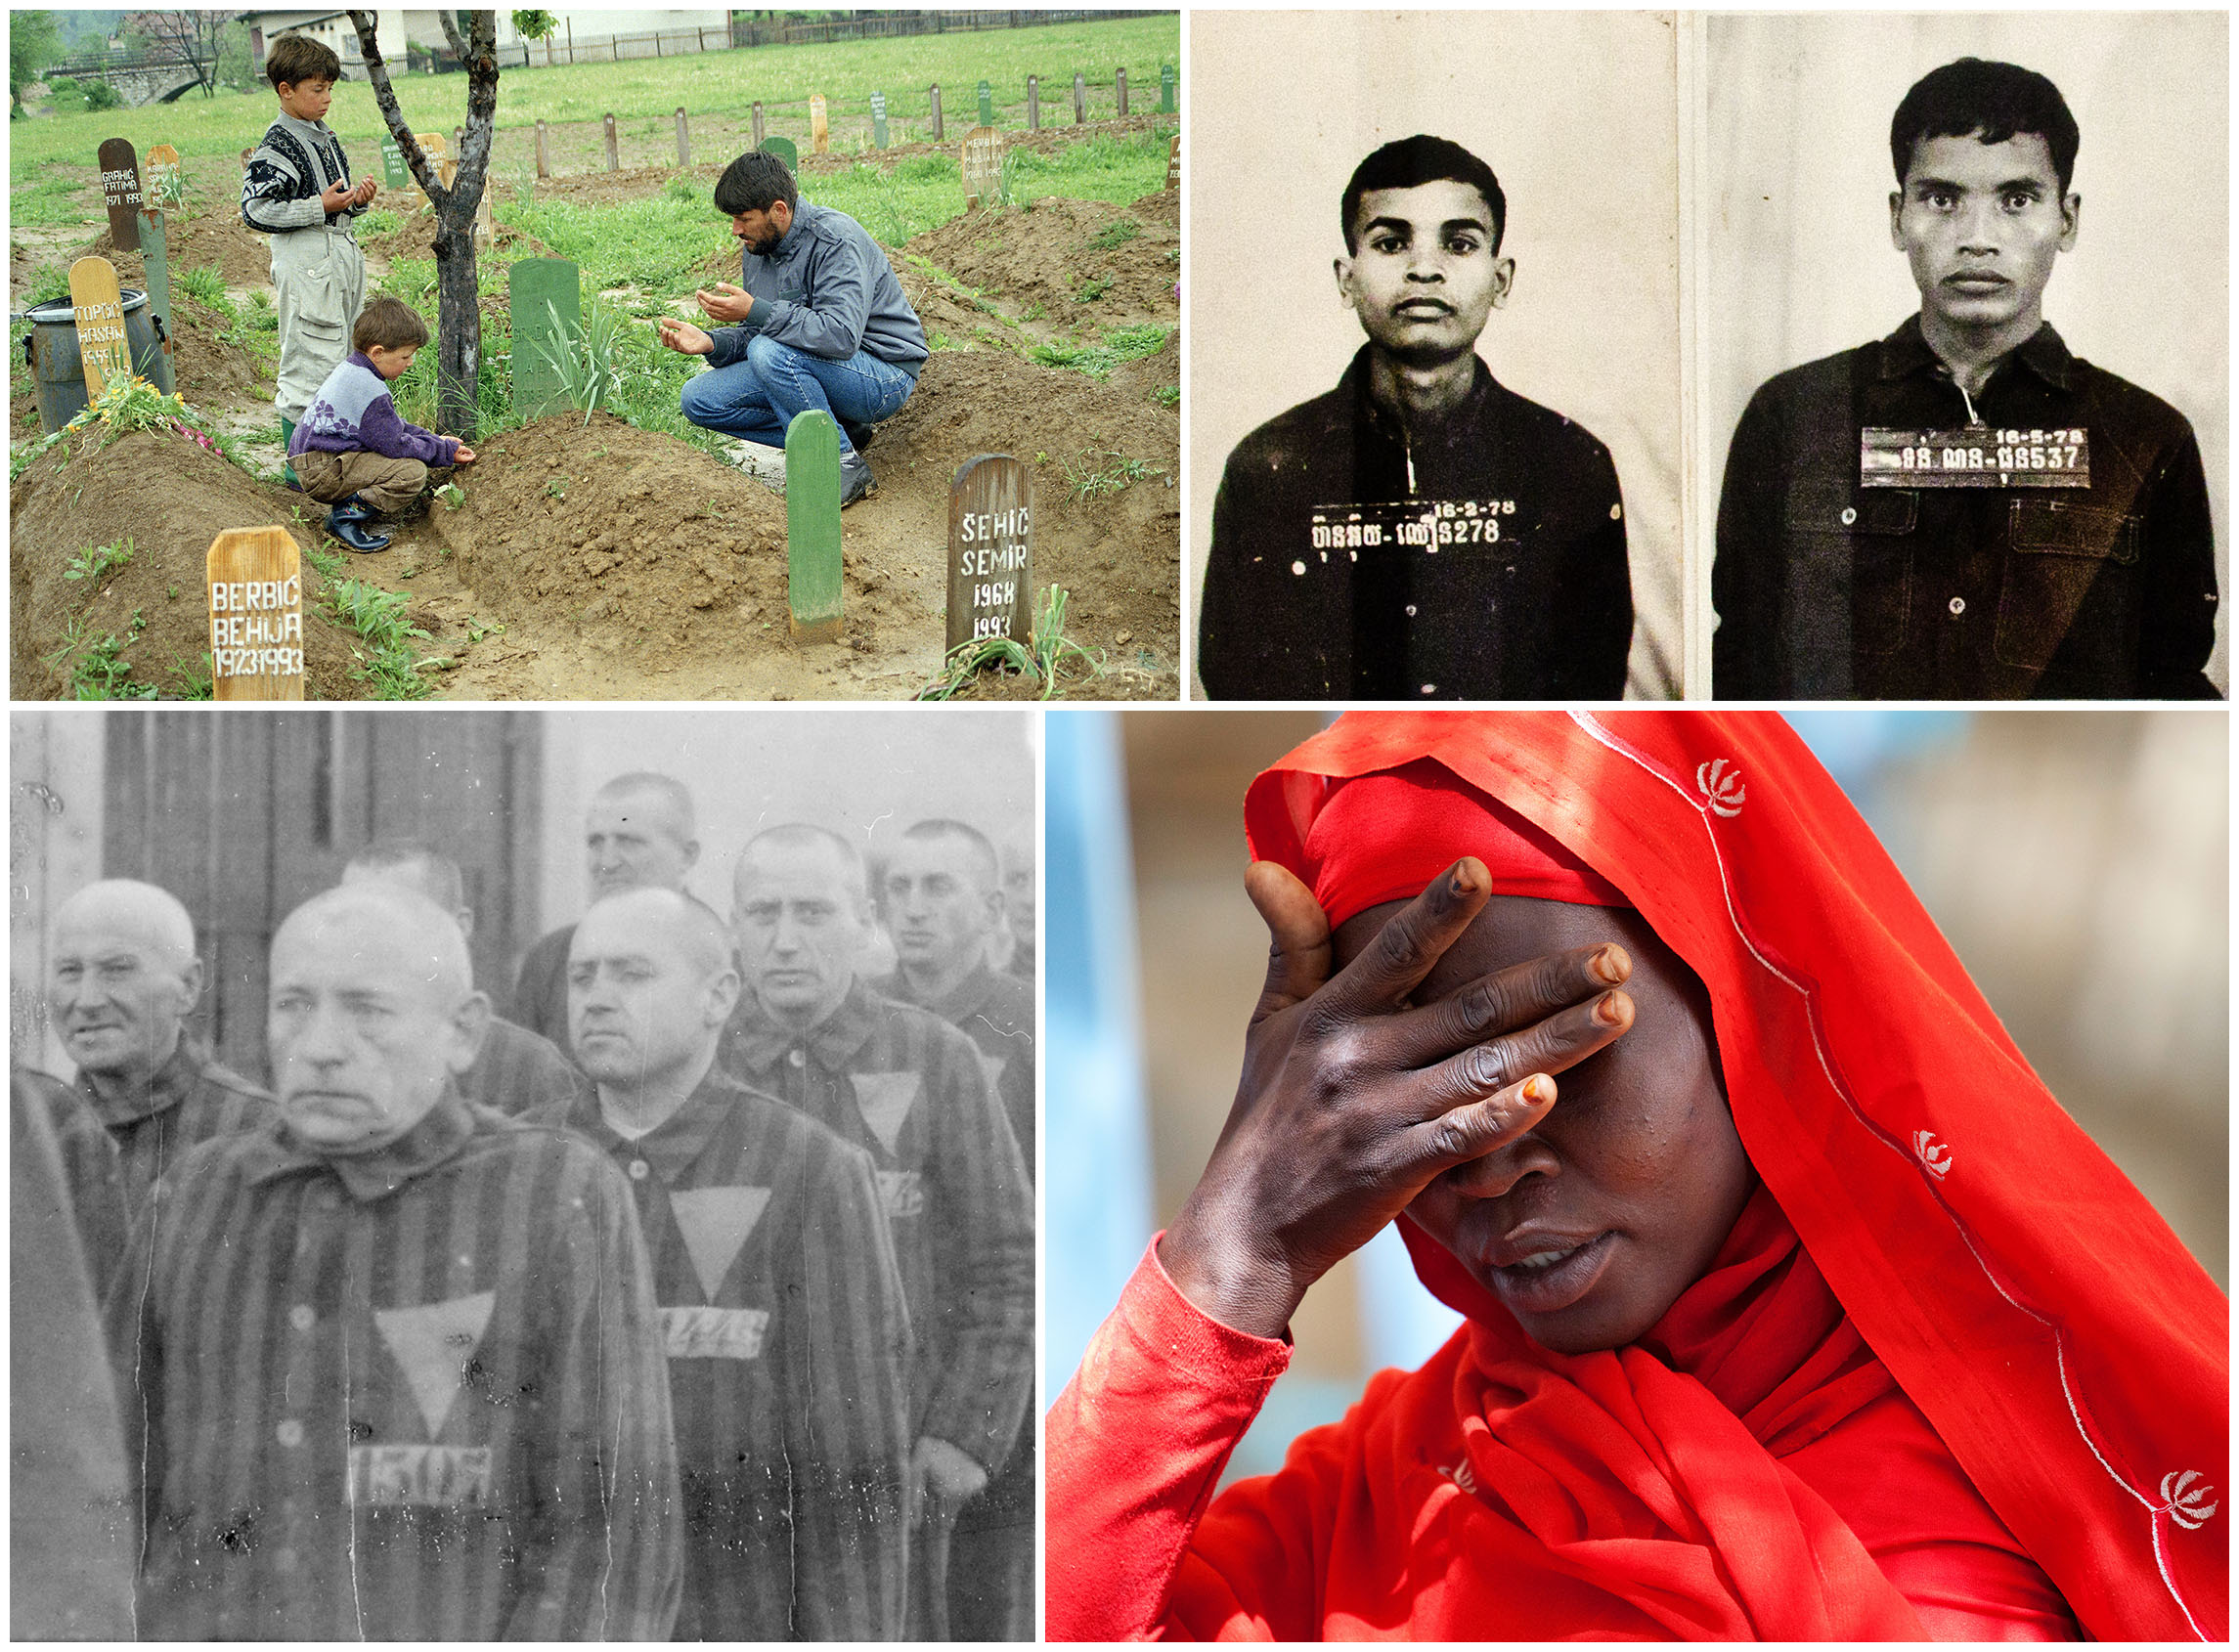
52	347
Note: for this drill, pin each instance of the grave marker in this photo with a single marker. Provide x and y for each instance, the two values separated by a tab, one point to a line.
121	191
394	172
1120	76
812	589
683	141
819	125
156	266
98	308
1175	163
983	166
256	615
878	119
538	288
613	153
1165	87
437	148
759	134
991	551
1033	103
165	184
543	154
987	105
1079	99
937	112
785	150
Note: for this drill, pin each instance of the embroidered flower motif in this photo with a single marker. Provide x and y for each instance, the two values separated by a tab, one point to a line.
1722	785
2187	1502
1934	1157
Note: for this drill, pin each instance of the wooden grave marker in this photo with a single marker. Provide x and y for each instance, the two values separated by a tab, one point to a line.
991	551
987	104
1165	87
935	95
394	172
544	149
155	272
256	615
613	151
683	140
759	134
1119	79
538	288
98	308
1033	103
1175	163
813	588
819	125
878	120
164	184
1079	99
983	166
121	191
437	148
785	150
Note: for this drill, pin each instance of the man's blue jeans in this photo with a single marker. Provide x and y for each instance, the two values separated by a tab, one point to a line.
757	399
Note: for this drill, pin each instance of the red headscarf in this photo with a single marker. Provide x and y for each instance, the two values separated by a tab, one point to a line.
1958	1233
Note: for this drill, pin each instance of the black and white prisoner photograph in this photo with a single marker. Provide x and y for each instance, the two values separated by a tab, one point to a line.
1965	355
1434	382
522	1174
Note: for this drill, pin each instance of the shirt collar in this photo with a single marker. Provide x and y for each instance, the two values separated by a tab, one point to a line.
2044	353
672	1144
759	1040
434	1140
171	1083
1465	416
968	997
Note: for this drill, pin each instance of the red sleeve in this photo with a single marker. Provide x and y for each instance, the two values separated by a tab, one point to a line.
1135	1447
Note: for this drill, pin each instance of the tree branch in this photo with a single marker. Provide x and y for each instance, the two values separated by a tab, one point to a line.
378	72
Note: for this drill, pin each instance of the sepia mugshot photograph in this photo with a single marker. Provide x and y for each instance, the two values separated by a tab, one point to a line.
1434	381
1963	399
545	1175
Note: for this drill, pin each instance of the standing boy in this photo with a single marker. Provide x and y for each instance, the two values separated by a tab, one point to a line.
352	451
1964	509
1422	531
298	191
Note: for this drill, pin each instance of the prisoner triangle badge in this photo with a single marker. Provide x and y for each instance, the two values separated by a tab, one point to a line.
714	1223
885	1099
432	1344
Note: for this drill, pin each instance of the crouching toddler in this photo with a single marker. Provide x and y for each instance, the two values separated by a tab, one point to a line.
352	451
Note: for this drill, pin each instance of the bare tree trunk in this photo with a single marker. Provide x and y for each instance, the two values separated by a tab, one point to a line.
458	315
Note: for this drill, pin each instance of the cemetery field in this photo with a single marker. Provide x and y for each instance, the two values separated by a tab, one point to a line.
624	554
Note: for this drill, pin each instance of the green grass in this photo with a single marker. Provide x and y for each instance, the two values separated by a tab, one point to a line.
1091	480
1120	344
96	666
52	168
96	561
1040	658
378	617
1118	233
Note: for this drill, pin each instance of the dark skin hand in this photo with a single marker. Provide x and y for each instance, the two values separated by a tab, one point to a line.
1353	1099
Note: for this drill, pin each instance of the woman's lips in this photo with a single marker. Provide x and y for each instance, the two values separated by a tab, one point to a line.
1551	1273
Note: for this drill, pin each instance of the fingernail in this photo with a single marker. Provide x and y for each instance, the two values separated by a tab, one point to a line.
1606	1009
1609	964
1537	1089
1463	880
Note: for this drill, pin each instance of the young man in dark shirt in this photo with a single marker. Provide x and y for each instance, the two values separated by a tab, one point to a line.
1421	532
1964	509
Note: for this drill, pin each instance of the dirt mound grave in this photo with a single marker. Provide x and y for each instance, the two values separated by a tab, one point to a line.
1084	263
171	497
414	237
216	239
630	535
1113	544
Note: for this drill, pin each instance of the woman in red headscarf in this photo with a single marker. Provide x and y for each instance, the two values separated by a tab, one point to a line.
1802	1311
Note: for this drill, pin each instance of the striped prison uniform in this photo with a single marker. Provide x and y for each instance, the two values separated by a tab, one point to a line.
410	1394
93	1172
190	1099
788	1343
522	1076
540	990
908	1089
991	1561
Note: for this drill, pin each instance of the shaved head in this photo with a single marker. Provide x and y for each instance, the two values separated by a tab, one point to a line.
651	983
639	833
121	978
794	839
388	921
414	861
662	917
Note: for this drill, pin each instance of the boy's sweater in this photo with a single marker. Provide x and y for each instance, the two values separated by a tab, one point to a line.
354	414
297	162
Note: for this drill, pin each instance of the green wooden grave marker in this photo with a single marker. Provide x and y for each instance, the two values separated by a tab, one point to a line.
156	269
1165	87
812	527
987	105
394	172
545	295
878	119
785	150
